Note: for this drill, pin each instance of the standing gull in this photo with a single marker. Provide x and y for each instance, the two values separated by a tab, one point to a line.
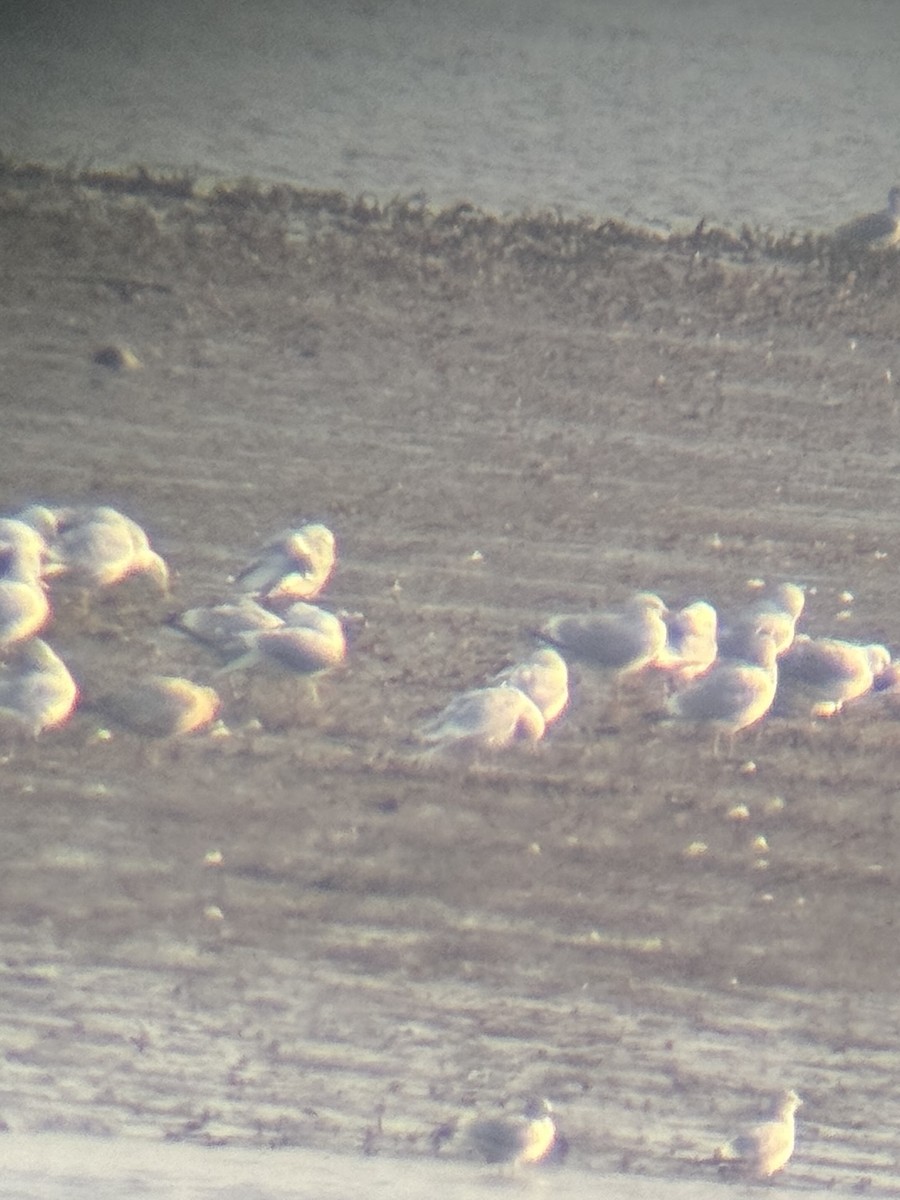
294	565
875	230
691	645
515	1142
777	611
735	692
625	641
766	1148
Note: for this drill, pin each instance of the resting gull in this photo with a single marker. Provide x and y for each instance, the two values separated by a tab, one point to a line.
24	607
765	1149
827	673
223	625
25	544
626	640
37	691
876	230
489	718
735	692
162	706
515	1142
306	641
100	547
41	518
544	678
294	565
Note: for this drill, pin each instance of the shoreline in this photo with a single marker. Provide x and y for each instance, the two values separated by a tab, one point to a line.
590	412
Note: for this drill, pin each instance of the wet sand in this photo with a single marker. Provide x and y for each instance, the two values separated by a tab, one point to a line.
383	949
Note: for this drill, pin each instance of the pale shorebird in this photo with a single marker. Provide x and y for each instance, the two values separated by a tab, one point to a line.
515	1142
887	681
25	544
692	643
734	693
885	693
765	1149
37	692
222	626
24	607
308	640
776	611
544	678
294	565
41	518
877	230
99	547
162	706
824	674
489	718
625	640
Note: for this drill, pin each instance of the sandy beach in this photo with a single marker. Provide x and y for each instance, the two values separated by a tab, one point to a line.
294	935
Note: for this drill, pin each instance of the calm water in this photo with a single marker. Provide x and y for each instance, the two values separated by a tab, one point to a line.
754	112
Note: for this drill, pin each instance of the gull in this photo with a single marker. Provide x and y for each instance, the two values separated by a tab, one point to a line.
544	678
25	543
162	706
99	546
515	1142
37	691
294	565
691	646
885	693
828	673
887	681
875	230
765	1149
41	519
735	692
223	625
307	640
489	718
777	611
626	640
24	607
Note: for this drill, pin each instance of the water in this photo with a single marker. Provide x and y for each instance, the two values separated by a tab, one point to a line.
765	113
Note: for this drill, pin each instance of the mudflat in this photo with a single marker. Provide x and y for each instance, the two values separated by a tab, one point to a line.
292	933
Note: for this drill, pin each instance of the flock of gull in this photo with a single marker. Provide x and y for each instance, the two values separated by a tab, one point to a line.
724	674
268	620
533	1138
